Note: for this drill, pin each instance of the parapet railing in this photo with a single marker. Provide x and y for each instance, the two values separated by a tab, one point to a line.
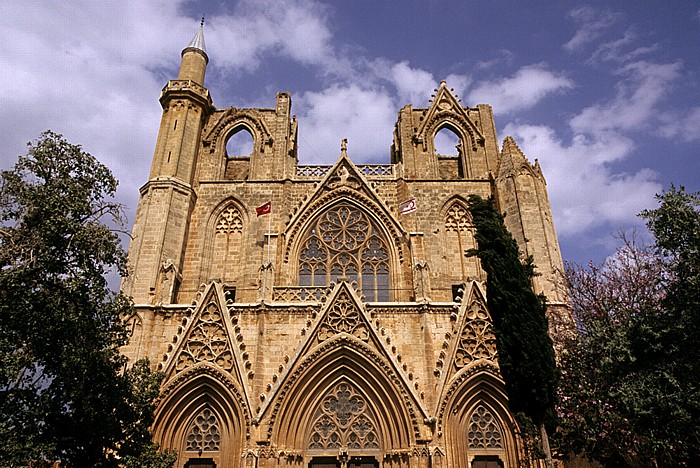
369	170
299	293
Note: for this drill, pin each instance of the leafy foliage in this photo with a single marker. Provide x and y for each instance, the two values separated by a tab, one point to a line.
63	395
525	351
631	388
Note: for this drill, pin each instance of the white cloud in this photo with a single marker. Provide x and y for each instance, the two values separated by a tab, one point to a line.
616	50
521	91
685	126
592	24
640	90
258	31
365	117
412	84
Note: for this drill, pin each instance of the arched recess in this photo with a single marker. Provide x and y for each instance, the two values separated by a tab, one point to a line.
202	402
240	145
223	254
377	257
474	407
461	128
336	362
449	148
459	237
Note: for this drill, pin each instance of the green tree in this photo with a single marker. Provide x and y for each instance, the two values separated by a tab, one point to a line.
525	352
63	393
631	392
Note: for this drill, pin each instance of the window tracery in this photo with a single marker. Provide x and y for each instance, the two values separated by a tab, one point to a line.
343	421
484	431
344	243
204	434
477	340
459	230
229	221
228	235
207	342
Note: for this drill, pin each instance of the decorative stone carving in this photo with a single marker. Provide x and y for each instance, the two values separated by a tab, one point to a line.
484	431
343	317
342	421
229	221
477	340
458	218
207	342
204	434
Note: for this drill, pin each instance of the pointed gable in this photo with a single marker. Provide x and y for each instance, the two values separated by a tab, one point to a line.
204	337
343	182
445	108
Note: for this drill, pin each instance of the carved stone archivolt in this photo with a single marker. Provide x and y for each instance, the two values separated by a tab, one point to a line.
207	342
343	317
343	421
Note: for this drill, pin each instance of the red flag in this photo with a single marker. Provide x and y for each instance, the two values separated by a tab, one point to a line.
409	206
264	209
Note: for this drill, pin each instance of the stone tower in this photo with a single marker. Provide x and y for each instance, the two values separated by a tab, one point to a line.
306	315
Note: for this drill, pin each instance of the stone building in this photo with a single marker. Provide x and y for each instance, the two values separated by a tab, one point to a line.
326	328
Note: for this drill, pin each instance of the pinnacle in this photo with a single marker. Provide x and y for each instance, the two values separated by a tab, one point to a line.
511	147
197	41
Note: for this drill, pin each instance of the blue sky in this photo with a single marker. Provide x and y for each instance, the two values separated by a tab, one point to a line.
605	94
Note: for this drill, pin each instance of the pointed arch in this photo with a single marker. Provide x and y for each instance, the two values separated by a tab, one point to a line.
345	234
236	119
459	236
453	165
222	251
203	398
475	388
343	360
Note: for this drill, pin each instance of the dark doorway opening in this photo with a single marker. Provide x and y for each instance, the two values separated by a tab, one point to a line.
324	462
363	462
354	462
491	461
200	463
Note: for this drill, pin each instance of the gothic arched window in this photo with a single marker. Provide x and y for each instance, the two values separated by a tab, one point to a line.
204	434
484	431
228	235
343	420
459	231
448	149
344	243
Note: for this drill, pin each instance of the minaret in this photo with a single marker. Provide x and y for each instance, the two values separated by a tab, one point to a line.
162	217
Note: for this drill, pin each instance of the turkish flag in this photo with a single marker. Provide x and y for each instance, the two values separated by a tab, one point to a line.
264	209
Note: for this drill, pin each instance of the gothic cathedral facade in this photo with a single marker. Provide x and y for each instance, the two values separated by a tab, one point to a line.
336	326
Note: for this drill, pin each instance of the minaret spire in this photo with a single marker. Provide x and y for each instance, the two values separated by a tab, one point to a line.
197	41
194	58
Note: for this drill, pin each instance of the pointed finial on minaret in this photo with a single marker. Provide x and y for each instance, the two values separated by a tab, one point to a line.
197	41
